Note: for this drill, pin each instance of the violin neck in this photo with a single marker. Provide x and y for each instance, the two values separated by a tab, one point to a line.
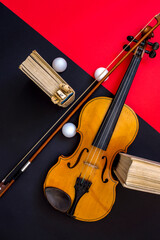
106	129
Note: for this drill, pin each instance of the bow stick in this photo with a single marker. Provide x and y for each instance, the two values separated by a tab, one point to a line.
5	185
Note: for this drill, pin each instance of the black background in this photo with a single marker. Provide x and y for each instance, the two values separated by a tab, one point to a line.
26	114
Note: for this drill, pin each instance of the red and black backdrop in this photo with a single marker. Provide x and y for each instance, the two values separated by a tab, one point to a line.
88	34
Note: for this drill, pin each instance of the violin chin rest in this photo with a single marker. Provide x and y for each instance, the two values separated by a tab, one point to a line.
58	199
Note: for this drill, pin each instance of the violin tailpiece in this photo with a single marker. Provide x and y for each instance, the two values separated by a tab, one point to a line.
81	187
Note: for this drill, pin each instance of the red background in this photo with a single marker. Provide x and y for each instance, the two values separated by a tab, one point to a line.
92	33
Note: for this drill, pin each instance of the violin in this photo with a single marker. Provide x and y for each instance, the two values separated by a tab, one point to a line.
82	185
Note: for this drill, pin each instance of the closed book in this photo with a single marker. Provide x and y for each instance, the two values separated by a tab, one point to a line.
138	173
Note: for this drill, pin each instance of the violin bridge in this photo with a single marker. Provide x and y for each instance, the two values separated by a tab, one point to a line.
90	165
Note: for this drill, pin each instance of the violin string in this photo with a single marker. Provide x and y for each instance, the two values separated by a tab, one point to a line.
100	76
41	139
96	149
101	138
91	150
103	141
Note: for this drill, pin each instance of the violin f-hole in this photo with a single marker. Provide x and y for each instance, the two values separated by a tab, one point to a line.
78	159
104	168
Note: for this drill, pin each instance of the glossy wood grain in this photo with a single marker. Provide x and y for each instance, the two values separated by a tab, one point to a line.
98	202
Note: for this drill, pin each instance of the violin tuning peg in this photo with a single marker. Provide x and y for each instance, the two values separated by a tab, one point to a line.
155	46
130	38
152	54
126	47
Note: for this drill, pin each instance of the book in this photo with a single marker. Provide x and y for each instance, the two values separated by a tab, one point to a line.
46	78
138	173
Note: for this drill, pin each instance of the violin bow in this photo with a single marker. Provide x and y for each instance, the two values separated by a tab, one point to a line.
5	183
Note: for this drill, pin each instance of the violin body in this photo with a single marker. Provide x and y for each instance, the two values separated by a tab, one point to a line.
91	164
82	185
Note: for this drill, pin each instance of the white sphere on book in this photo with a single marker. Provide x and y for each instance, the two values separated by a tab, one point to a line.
59	64
69	130
100	73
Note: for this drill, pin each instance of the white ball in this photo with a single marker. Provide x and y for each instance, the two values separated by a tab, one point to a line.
69	130
59	64
98	72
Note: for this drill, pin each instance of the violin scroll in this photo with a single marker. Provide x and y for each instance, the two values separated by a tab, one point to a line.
144	43
146	30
